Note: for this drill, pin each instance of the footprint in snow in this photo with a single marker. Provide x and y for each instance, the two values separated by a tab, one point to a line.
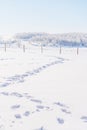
36	100
27	113
27	95
5	93
5	84
17	116
15	107
65	111
61	104
16	94
60	121
40	107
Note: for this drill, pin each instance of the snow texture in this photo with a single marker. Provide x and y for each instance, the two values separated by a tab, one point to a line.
43	91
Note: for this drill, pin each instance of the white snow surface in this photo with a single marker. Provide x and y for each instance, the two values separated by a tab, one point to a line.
43	91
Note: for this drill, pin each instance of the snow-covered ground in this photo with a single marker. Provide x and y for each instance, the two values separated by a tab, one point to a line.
43	91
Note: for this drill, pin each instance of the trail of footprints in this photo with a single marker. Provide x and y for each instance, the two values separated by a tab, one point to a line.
21	78
38	106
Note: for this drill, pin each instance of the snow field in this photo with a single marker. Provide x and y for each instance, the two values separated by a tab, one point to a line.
43	91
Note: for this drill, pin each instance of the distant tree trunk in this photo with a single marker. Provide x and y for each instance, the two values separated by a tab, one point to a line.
41	48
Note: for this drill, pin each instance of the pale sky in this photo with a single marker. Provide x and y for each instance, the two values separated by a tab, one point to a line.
51	16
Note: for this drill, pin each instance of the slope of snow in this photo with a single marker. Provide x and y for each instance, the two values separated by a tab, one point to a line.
43	91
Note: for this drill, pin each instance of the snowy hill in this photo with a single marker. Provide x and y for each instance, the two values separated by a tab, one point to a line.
54	40
68	39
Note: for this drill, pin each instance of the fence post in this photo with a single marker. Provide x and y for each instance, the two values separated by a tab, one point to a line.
5	46
41	48
60	51
77	50
29	45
